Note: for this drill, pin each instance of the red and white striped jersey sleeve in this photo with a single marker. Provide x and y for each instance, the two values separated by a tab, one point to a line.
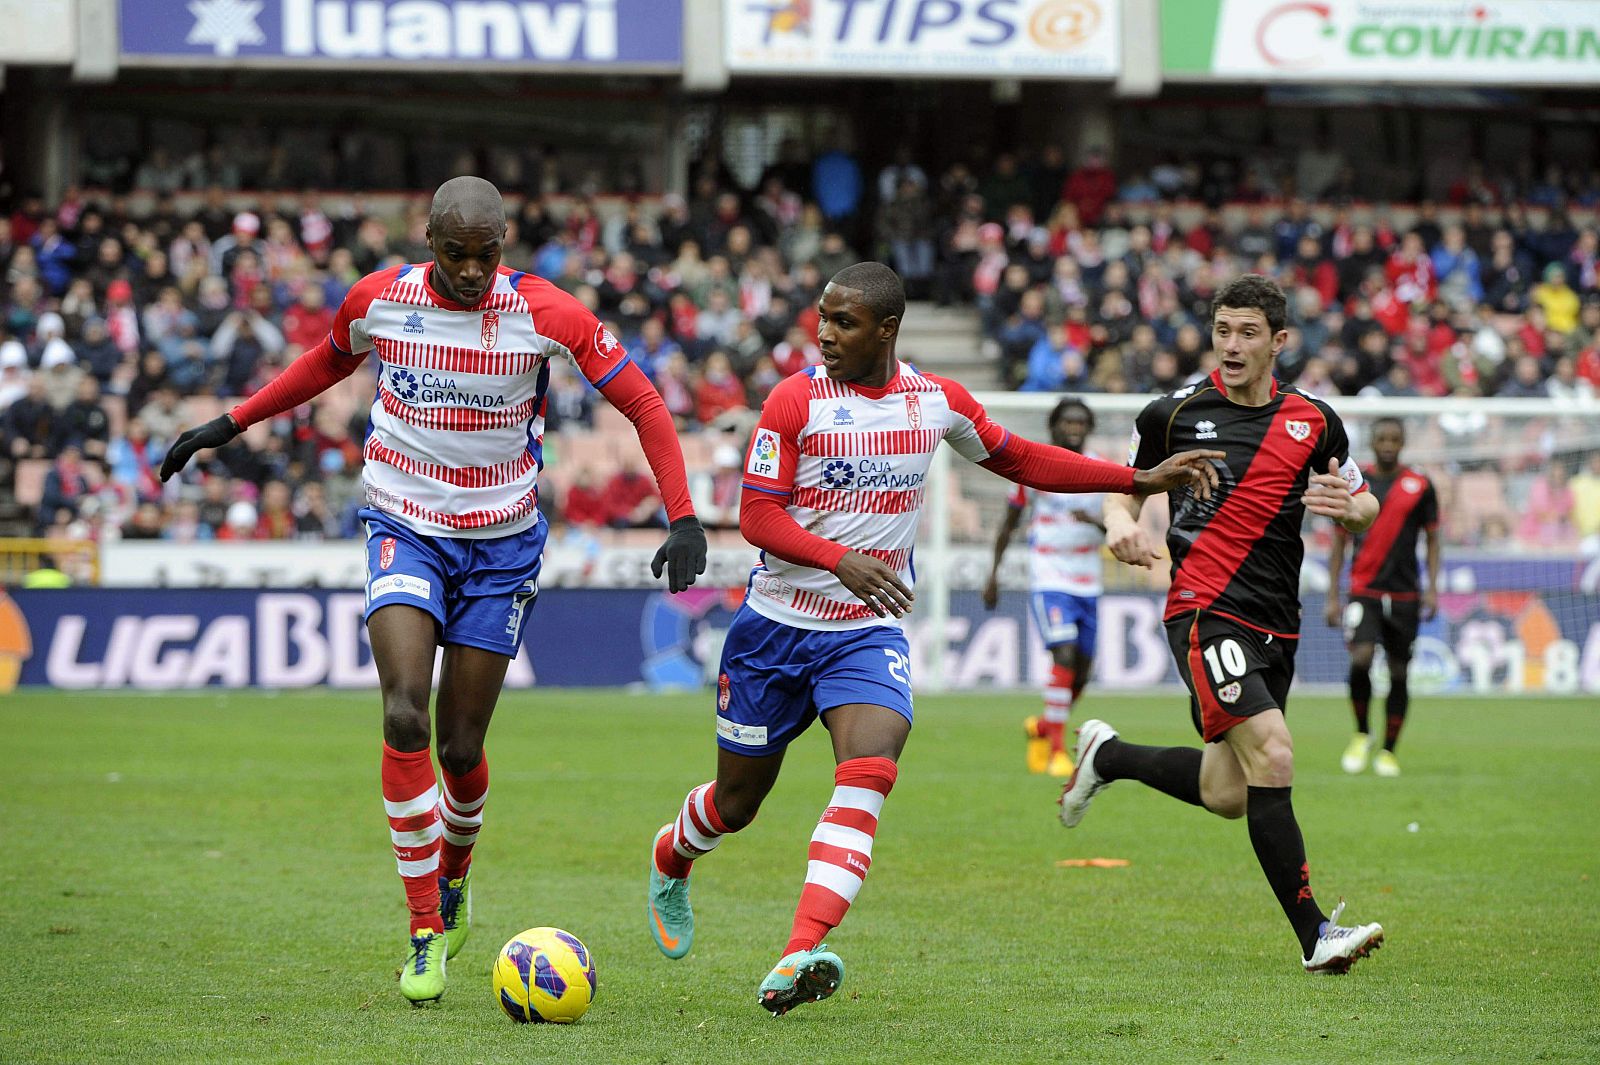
574	333
971	433
349	334
769	464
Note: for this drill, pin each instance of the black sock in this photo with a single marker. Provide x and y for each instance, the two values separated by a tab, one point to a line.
1173	770
1282	853
1360	695
1395	707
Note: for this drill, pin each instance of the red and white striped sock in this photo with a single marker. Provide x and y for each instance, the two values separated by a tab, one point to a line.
695	833
841	849
1058	696
411	799
461	809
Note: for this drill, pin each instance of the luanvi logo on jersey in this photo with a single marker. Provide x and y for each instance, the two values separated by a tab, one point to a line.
1205	430
604	342
413	323
1298	430
491	329
842	416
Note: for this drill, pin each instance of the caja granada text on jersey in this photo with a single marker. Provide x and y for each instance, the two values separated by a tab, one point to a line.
443	391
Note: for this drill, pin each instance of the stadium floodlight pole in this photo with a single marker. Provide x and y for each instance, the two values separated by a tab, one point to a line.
934	600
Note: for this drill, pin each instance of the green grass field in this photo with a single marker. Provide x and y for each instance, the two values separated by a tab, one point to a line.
207	878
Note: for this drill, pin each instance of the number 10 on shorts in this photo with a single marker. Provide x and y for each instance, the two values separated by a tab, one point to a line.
1225	658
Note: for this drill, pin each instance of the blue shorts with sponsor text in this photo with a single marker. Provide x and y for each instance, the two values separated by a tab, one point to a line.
479	591
775	678
1065	618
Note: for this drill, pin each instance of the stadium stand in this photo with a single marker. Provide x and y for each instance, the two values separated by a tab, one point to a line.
129	316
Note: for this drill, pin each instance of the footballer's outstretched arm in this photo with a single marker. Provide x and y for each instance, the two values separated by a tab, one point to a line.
314	372
1129	541
1054	469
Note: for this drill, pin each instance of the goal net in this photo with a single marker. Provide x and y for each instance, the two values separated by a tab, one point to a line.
1519	605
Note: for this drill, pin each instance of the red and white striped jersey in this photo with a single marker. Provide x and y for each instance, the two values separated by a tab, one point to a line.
457	429
850	463
1063	549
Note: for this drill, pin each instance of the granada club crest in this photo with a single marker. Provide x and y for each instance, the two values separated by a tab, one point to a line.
491	329
386	553
914	410
722	692
1298	430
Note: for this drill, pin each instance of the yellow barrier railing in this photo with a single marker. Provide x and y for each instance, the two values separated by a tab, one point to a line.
19	557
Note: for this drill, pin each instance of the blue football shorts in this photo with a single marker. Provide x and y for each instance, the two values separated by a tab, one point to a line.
1063	618
775	679
479	591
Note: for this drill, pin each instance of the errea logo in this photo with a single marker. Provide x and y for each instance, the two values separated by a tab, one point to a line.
1206	430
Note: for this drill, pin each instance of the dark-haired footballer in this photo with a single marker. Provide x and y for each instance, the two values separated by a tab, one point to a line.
833	488
1065	534
1385	605
1233	610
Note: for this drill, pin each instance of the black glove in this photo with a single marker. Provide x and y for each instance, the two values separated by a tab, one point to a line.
215	433
683	555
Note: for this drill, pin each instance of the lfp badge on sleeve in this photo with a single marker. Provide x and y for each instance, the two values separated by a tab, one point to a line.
765	451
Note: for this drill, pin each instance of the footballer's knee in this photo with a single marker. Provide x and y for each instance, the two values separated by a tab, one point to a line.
1274	763
405	718
737	807
460	755
1361	657
1227	802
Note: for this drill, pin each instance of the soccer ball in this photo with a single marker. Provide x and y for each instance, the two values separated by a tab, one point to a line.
544	975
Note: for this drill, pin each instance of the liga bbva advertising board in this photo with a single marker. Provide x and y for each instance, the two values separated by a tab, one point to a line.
1508	627
1482	42
925	38
641	35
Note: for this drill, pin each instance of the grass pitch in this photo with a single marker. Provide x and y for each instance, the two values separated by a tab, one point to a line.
207	878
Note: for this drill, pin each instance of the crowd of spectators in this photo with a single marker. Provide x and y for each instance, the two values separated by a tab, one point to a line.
119	327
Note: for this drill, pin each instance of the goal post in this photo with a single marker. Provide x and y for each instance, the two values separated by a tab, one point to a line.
1520	583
